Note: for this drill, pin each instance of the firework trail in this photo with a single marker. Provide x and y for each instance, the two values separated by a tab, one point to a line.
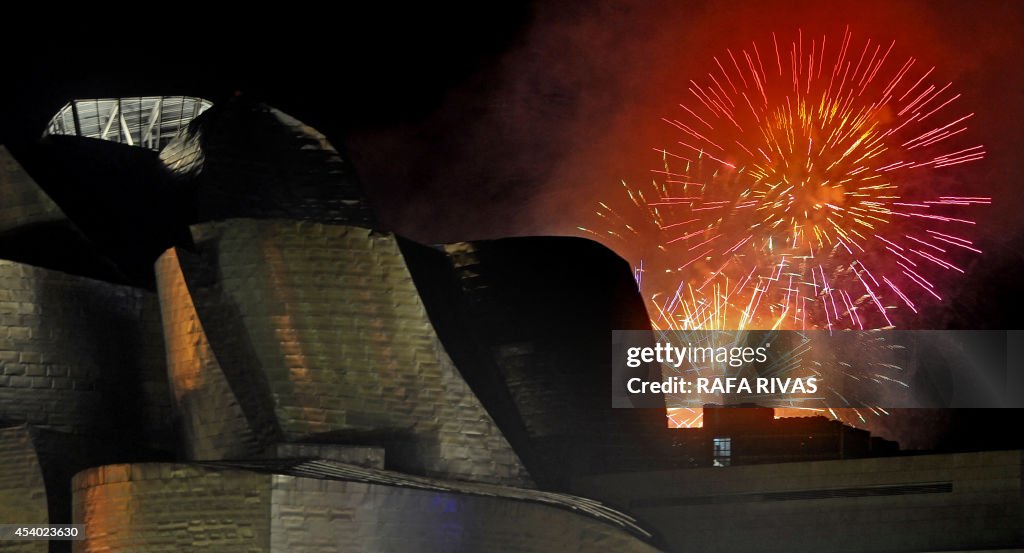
807	190
854	369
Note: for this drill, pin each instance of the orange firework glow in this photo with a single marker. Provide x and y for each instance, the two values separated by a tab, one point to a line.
809	189
803	192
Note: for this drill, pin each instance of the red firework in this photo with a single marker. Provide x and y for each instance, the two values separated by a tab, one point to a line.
808	189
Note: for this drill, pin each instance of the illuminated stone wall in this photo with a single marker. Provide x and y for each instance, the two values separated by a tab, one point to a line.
327	318
515	314
362	456
75	356
165	507
22	491
288	357
310	515
212	422
169	508
24	203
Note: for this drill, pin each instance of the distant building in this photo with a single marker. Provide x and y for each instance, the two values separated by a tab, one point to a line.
750	435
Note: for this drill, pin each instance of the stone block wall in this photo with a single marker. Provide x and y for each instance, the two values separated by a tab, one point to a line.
163	507
213	424
76	357
24	203
327	319
22	489
171	508
310	515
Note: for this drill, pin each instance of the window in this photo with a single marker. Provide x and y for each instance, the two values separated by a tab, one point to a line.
722	451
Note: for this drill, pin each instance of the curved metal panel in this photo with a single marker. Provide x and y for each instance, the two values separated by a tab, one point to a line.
22	489
24	202
214	425
171	507
245	159
144	507
334	325
75	355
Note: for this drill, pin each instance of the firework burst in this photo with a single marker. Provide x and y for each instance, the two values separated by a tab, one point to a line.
808	189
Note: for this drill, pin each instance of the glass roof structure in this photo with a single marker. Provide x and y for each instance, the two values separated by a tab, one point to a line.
147	121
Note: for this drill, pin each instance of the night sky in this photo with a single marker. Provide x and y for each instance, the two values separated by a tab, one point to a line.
514	119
